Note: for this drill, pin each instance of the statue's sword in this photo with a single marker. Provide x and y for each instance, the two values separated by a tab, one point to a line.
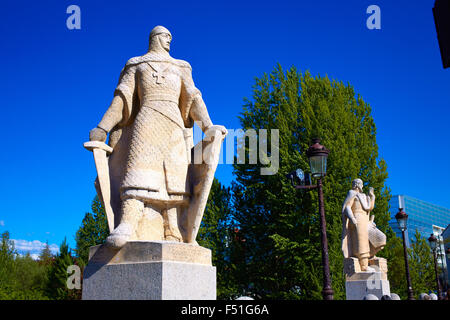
100	151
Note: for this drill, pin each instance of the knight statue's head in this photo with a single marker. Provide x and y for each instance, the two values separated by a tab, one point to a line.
357	184
160	38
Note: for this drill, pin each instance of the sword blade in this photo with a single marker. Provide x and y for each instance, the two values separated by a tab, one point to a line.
101	163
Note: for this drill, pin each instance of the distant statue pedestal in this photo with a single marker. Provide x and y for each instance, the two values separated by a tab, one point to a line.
360	283
143	270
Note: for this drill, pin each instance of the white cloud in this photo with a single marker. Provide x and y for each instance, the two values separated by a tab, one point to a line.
33	247
2	223
35	256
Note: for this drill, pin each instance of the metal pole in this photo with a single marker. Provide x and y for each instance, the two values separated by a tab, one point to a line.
437	276
327	291
408	277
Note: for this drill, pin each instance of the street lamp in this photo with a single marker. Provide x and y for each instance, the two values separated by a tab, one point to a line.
433	245
317	155
402	220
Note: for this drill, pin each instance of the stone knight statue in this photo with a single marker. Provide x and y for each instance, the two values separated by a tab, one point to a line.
360	237
149	186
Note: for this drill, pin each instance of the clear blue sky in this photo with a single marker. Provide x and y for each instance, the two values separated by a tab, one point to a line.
56	84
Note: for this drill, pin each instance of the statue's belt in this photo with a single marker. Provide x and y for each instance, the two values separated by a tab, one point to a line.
360	212
172	97
164	110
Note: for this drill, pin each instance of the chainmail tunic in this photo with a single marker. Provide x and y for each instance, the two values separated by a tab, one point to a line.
157	160
157	156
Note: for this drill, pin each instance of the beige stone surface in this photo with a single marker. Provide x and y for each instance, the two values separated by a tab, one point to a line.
352	266
359	289
367	275
165	280
359	283
360	237
153	182
379	264
145	251
361	240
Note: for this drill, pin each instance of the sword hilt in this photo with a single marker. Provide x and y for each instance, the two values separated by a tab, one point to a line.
91	145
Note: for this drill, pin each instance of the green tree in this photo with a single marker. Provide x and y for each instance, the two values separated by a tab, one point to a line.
30	279
57	278
393	252
7	254
21	277
421	265
280	224
216	233
93	231
46	256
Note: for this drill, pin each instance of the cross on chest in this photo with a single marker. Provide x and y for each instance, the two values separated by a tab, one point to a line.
158	72
159	77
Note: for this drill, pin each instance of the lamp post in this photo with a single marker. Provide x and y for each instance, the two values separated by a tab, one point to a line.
317	155
433	244
402	220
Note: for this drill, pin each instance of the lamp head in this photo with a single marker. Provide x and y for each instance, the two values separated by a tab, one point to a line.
402	219
317	155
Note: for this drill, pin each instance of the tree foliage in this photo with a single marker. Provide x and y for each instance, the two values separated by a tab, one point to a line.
421	265
93	231
21	277
217	233
393	252
57	279
7	253
280	224
46	257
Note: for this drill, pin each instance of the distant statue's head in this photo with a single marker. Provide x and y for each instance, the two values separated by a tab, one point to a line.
357	184
160	38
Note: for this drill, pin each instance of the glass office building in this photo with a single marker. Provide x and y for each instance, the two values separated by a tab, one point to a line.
425	217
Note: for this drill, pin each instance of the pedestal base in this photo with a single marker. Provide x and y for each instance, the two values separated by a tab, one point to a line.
150	271
360	283
357	289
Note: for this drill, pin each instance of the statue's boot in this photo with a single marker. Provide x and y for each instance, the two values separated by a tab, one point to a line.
364	263
132	212
171	229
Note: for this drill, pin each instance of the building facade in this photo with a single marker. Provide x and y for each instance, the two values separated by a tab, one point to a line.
446	240
425	217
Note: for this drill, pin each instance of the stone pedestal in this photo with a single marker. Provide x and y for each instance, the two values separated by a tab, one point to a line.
143	270
360	283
